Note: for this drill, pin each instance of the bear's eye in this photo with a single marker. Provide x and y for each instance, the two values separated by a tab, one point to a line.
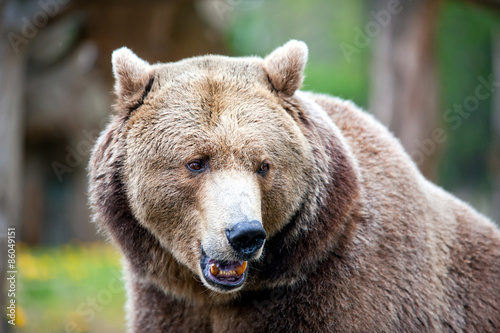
196	166
263	168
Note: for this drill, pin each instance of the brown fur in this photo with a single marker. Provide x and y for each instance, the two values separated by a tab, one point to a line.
358	240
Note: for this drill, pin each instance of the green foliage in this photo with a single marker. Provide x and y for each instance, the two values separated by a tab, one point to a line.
72	288
324	25
465	55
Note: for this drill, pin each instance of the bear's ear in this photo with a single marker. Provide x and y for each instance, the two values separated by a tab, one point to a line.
132	74
285	66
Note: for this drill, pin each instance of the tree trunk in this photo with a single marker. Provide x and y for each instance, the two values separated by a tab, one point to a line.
404	79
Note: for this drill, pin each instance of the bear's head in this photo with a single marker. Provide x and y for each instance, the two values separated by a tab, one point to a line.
216	161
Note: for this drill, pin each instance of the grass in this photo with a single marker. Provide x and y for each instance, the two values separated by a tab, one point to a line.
75	287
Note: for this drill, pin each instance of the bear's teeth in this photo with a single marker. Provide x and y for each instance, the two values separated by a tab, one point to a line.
241	269
238	271
214	270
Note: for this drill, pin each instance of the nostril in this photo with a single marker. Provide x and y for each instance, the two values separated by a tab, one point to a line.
249	239
246	237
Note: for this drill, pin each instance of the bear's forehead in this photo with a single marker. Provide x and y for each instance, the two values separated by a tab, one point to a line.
210	93
217	112
212	117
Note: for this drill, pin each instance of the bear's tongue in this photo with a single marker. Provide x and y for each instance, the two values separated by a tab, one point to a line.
228	268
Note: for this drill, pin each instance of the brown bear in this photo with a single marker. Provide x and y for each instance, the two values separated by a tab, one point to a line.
242	204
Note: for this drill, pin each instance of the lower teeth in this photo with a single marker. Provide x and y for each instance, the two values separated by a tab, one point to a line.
238	271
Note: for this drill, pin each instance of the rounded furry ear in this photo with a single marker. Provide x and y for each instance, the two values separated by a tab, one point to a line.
285	66
131	73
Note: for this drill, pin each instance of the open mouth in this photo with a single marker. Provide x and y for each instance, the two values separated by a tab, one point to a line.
225	275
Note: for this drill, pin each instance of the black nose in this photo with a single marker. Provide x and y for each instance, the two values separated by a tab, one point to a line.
246	237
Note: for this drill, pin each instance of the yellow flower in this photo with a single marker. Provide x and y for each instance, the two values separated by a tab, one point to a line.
20	317
27	265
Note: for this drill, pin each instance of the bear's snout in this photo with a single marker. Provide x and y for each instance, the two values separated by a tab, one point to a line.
246	238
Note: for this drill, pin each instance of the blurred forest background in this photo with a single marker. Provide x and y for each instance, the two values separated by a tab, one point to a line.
428	69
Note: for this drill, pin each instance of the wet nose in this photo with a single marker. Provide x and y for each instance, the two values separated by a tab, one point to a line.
246	237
